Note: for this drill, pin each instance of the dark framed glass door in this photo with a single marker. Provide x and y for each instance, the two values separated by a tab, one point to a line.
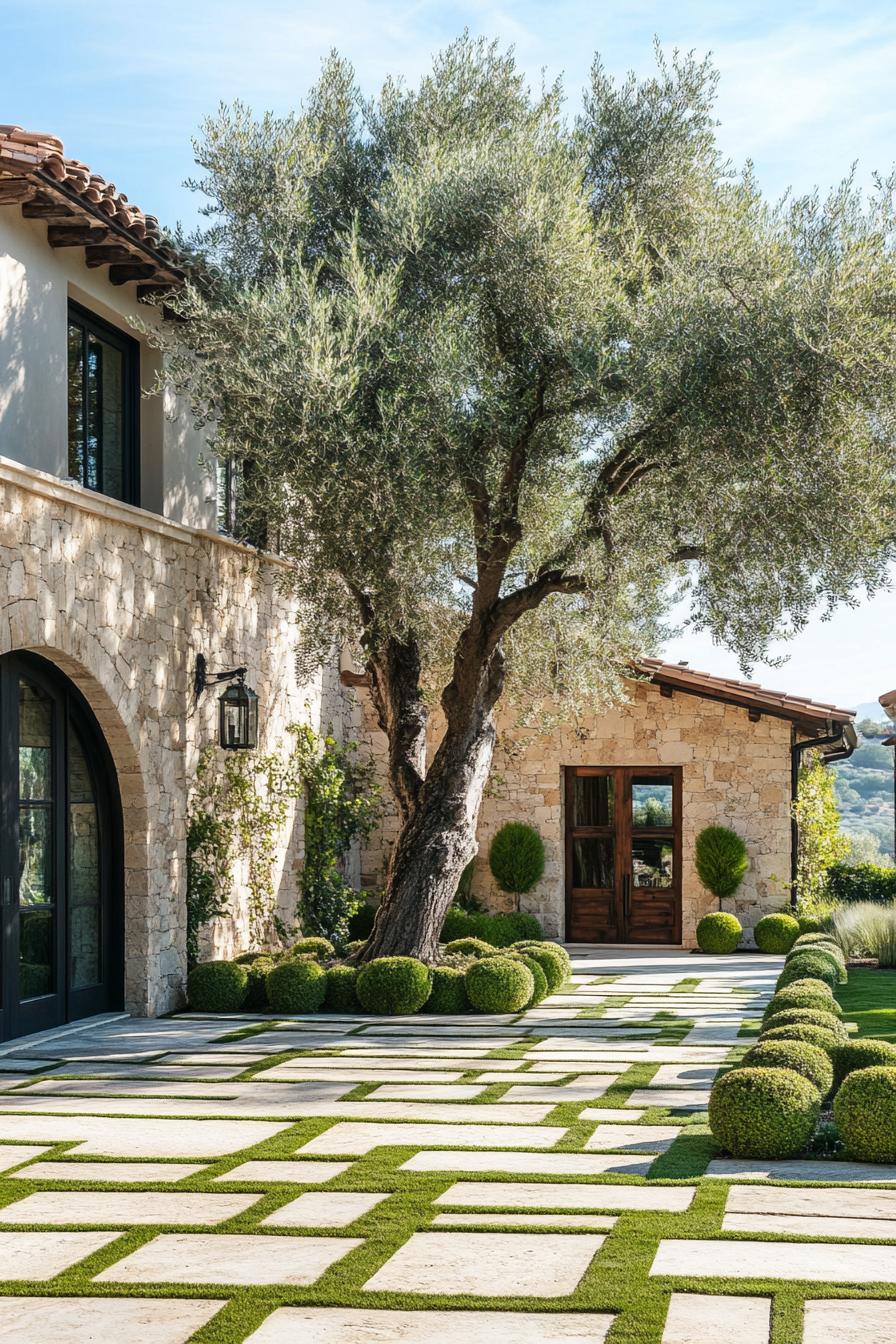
60	854
623	854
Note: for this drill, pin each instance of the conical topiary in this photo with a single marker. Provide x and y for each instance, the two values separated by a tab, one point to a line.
721	859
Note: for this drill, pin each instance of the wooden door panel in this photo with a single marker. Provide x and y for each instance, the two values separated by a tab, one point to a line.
652	917
593	918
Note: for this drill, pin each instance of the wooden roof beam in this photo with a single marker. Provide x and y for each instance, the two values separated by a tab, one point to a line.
75	235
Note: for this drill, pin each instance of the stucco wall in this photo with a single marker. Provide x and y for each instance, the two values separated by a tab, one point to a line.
122	602
734	772
36	283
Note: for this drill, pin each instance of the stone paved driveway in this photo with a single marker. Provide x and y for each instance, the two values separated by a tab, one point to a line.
546	1177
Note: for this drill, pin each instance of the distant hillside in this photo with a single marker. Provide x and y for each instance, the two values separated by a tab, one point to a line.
864	788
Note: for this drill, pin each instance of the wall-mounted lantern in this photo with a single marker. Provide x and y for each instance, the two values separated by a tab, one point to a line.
237	706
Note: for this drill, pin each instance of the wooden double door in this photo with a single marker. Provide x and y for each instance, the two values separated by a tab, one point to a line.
623	854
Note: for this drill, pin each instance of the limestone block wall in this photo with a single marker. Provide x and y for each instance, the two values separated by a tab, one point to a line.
122	601
734	773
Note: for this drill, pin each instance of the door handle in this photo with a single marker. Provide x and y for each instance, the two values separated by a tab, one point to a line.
7	892
626	894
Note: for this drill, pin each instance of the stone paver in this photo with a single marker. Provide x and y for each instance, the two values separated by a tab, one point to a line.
149	1173
296	1172
850	1321
558	1095
529	1164
671	1098
426	1091
43	1255
834	1202
814	1261
488	1264
91	1320
548	1195
198	1258
336	1325
696	1318
107	1137
633	1138
324	1208
829	1173
11	1154
67	1207
596	1222
353	1140
795	1225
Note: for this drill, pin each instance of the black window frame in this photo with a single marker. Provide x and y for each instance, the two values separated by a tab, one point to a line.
129	348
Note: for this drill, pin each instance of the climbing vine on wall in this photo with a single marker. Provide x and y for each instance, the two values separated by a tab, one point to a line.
239	808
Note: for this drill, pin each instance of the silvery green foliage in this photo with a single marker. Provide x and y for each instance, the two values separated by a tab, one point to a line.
491	360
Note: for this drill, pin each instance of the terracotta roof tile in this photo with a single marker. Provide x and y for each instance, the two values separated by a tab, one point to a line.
814	714
39	167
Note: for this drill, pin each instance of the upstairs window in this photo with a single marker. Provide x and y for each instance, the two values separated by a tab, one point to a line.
103	407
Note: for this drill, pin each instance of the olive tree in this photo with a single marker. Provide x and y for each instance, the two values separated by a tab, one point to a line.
507	380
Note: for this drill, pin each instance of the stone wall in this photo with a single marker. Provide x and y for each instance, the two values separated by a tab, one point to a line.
734	772
122	601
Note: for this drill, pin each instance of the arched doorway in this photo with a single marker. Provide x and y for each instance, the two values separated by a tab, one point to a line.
61	870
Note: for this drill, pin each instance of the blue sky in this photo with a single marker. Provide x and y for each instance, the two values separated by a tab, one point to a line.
806	90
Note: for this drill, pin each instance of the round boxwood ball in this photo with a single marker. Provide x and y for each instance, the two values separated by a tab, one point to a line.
813	936
541	983
812	1017
499	985
523	926
393	985
819	1036
340	996
810	965
217	987
804	994
516	857
776	933
297	986
469	947
764	1112
719	932
807	1060
448	994
318	947
809	924
257	989
553	962
527	943
862	1054
865	1114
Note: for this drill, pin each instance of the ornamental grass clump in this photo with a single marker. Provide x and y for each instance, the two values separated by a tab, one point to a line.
217	987
297	986
393	985
719	932
776	934
862	1054
499	985
721	860
867	930
516	857
340	996
764	1112
865	1114
807	1060
448	993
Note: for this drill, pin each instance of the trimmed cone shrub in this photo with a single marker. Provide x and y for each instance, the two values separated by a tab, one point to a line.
317	947
340	995
866	1054
541	983
552	960
448	994
811	1017
470	947
217	987
810	965
499	985
297	986
393	985
516	857
819	1036
769	1113
776	933
257	988
865	1114
719	932
720	857
807	1060
804	994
